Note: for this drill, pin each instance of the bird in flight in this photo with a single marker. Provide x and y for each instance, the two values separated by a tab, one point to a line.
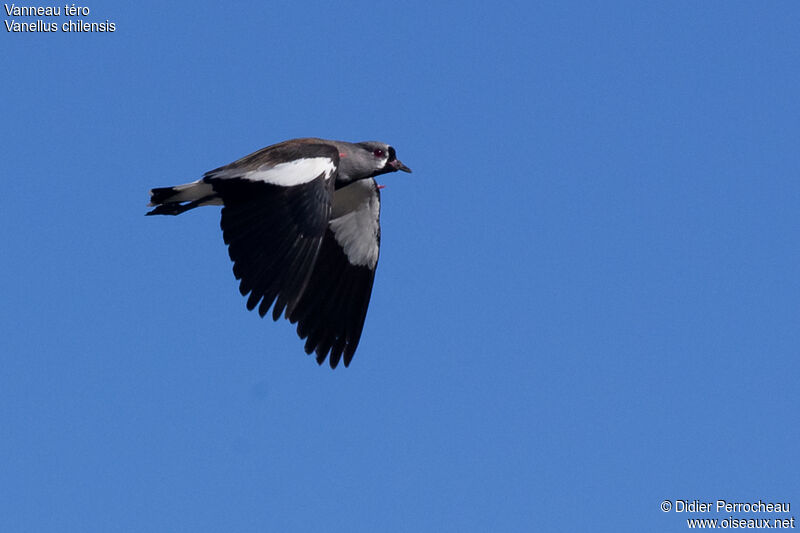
301	220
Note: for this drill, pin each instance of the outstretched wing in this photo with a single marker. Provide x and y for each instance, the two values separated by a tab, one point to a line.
276	207
331	311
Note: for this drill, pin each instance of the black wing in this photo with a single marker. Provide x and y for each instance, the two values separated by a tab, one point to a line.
274	226
331	312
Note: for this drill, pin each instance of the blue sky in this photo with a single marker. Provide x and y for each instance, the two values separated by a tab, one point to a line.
587	300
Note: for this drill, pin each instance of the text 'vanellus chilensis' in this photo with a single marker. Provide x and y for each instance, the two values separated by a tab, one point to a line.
302	223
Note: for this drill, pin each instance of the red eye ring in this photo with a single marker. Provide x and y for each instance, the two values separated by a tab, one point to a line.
378	152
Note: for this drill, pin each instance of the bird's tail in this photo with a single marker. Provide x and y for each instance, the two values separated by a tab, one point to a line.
176	200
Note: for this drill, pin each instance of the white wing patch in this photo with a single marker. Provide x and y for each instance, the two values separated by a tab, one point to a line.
286	174
355	222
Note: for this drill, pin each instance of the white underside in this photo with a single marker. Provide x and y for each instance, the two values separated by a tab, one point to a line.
355	222
286	174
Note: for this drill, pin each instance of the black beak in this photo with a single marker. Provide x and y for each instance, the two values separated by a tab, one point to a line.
397	165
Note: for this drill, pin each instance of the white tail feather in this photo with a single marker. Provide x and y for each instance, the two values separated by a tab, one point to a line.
189	192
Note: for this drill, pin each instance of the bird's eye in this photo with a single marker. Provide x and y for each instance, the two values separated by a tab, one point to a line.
378	153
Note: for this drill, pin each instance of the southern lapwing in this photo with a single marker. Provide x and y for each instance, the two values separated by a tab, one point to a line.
302	223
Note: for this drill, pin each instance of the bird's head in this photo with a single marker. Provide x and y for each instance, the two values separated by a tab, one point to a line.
366	160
